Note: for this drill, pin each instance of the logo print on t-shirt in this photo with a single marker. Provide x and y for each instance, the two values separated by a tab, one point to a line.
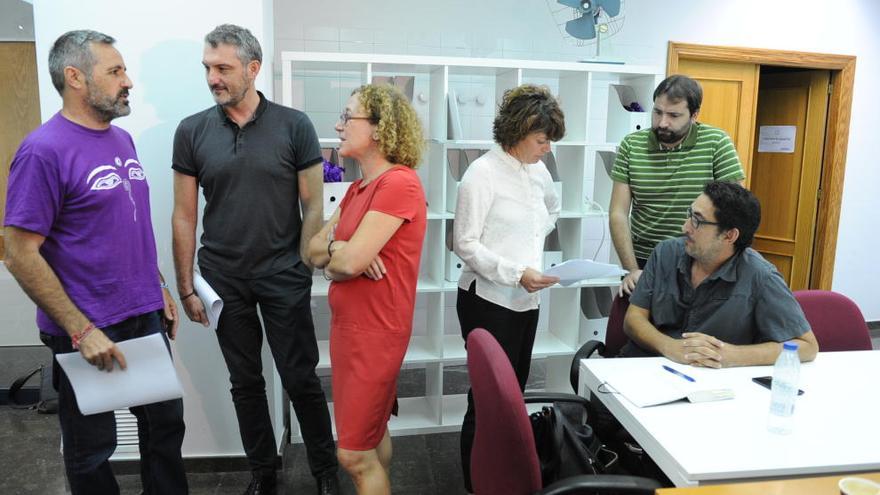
118	174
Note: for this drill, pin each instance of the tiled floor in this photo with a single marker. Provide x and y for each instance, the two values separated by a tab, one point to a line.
31	464
30	461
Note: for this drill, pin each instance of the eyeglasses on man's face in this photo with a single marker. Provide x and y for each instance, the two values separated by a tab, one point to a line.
344	117
697	221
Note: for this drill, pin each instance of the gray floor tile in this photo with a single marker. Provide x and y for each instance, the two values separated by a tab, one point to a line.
421	464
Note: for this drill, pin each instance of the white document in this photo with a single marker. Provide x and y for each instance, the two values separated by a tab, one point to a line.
210	300
655	385
453	124
149	377
576	270
776	138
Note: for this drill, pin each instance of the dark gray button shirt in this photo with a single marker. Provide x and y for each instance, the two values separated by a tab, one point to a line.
745	301
249	177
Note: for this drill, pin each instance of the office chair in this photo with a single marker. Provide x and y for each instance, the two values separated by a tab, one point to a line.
504	459
835	319
615	339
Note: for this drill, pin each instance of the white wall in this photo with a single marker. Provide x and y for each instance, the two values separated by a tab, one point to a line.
16	21
161	43
527	29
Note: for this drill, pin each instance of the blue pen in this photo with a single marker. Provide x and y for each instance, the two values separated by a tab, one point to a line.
679	373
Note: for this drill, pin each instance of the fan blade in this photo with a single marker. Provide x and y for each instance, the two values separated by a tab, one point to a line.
575	4
582	28
611	7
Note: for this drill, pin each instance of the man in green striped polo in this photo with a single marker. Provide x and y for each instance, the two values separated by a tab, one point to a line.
660	171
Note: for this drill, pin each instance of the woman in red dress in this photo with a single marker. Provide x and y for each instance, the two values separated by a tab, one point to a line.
370	249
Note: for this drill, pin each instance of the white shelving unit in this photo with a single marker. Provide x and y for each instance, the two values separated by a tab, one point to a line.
320	84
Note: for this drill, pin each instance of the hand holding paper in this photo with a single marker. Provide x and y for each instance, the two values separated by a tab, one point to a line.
576	270
149	377
213	305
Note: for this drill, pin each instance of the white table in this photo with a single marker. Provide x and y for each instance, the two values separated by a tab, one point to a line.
837	421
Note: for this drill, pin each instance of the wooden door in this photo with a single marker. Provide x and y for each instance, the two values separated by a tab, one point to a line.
787	183
729	97
21	107
843	68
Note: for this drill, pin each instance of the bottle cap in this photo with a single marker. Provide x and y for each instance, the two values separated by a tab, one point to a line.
790	346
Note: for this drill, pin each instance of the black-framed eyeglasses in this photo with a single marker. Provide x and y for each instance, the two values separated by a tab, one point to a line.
344	117
697	221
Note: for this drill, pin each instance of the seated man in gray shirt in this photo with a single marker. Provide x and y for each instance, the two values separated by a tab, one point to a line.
708	299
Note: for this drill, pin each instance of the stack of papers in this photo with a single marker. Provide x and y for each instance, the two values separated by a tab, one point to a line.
148	378
655	385
210	300
576	270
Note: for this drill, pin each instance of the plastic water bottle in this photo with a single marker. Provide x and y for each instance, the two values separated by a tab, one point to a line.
784	390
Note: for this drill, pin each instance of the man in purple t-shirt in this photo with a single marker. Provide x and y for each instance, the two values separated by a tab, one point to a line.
79	241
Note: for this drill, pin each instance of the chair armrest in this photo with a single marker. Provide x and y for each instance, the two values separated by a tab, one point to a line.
603	483
550	397
588	349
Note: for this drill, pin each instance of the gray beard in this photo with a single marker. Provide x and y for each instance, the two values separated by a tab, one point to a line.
107	108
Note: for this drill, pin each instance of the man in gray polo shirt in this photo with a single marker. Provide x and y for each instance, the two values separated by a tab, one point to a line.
708	299
257	163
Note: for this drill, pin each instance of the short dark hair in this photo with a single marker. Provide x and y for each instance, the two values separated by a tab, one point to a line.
524	110
74	49
241	38
680	87
735	207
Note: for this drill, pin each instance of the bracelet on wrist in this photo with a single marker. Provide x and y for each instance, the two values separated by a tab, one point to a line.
77	338
163	285
188	295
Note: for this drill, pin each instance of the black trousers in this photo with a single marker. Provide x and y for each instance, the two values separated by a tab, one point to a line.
514	330
284	302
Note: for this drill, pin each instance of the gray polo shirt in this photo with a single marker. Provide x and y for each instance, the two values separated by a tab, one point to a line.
252	216
745	301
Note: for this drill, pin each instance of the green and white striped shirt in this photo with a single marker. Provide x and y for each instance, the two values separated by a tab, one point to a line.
664	183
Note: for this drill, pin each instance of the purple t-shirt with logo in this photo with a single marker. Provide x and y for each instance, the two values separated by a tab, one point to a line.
86	192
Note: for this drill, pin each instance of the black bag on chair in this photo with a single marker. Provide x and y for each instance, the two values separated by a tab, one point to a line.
567	447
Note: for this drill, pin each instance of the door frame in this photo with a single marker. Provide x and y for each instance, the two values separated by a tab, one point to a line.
843	69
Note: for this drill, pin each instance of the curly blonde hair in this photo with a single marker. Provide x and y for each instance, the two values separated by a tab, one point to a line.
400	133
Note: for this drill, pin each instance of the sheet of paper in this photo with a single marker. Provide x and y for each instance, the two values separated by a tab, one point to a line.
212	302
776	138
149	377
652	385
453	124
576	270
649	389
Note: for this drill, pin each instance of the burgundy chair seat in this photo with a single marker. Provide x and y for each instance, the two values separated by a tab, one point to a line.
835	320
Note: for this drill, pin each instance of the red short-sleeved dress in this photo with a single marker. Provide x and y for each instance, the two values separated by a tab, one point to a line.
371	320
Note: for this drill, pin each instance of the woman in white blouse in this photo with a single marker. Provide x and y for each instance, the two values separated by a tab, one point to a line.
506	207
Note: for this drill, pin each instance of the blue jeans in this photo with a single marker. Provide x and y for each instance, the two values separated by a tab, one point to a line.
89	441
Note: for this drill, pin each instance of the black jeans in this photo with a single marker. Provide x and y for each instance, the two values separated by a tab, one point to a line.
284	302
89	441
514	330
